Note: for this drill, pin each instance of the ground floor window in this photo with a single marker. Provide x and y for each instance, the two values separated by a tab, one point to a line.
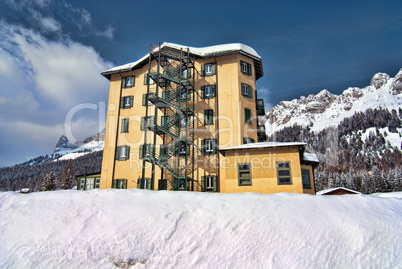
244	170
120	183
209	183
306	178
88	183
284	175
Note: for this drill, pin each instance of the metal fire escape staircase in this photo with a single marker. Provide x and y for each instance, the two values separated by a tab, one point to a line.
172	94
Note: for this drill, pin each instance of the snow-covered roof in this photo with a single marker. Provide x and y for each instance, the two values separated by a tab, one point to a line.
310	157
204	52
265	145
334	189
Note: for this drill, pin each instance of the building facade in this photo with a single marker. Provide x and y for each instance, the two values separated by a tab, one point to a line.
171	112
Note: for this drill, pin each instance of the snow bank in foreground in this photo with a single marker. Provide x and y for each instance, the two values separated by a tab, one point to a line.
109	228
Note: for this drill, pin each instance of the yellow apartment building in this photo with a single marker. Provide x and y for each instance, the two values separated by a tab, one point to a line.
184	118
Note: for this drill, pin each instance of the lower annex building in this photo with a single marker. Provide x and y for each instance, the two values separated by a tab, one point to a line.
185	118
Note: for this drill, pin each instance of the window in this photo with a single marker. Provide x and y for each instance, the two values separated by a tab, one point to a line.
120	183
209	146
147	151
148	80
184	96
165	121
127	82
145	101
244	174
247	116
208	117
246	90
208	91
247	140
124	125
208	69
126	102
182	149
209	183
245	68
186	74
144	183
284	175
146	121
306	178
122	153
88	183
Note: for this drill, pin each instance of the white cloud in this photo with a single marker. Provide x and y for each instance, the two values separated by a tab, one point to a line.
65	72
41	80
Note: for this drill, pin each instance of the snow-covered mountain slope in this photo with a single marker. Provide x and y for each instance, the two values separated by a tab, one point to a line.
147	229
325	109
88	145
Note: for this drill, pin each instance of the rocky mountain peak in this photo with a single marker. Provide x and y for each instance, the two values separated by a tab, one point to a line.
324	108
379	80
63	143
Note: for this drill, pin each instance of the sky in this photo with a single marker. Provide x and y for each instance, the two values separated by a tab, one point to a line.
52	53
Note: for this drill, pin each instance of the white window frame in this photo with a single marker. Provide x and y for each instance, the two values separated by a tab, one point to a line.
208	69
209	92
129	82
150	81
244	67
209	146
126	102
245	89
123	152
209	183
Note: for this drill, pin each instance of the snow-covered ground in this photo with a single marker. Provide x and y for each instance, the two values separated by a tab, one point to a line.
119	228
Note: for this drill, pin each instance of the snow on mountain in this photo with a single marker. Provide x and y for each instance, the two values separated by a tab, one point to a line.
325	109
126	228
90	144
64	144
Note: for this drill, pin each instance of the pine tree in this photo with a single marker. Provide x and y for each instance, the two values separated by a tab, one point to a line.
49	183
66	179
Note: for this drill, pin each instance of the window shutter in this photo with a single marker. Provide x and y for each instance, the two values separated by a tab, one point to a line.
188	150
127	152
215	145
122	102
203	146
149	184
144	99
117	153
250	92
249	69
203	92
131	100
203	70
142	124
79	184
141	153
146	79
247	115
114	184
203	183
215	184
213	69
123	82
124	184
214	91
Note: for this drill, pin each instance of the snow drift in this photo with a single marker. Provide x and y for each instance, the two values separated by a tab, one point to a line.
146	229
